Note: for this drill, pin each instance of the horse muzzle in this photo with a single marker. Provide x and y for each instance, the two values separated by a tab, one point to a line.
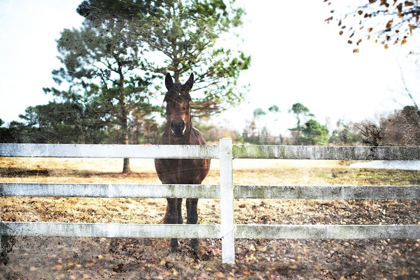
178	128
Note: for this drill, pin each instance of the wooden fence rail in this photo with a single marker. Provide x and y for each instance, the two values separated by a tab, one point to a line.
226	192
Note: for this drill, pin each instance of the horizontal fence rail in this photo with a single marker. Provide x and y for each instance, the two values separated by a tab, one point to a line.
327	192
109	151
209	191
328	231
109	230
209	231
209	151
110	190
326	152
226	192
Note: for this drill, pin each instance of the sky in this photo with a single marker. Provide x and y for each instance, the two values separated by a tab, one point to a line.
296	57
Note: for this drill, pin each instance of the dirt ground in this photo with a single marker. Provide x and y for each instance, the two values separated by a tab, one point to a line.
106	258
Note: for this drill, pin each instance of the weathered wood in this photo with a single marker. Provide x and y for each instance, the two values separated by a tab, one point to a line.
327	192
328	231
226	203
109	151
109	230
109	190
209	151
326	152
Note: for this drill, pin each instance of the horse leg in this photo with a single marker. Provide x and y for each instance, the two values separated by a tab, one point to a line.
171	217
192	218
179	209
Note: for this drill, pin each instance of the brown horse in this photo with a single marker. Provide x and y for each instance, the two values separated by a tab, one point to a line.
179	131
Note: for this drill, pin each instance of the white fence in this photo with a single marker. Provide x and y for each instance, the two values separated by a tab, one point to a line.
226	192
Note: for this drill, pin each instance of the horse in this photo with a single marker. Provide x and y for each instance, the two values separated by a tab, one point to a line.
179	131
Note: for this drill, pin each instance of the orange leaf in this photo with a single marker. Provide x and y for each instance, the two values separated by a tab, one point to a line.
355	50
389	23
219	275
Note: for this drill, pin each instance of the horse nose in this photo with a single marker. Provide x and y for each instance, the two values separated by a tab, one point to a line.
178	127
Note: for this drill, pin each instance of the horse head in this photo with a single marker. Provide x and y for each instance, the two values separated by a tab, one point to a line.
178	99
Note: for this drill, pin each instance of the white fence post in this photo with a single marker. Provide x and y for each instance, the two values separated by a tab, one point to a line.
226	201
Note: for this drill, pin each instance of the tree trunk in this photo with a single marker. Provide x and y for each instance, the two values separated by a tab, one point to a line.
126	165
124	119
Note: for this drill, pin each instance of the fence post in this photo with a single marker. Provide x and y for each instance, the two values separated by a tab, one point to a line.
226	201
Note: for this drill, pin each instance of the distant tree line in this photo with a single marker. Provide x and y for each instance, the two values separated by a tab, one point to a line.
306	132
402	128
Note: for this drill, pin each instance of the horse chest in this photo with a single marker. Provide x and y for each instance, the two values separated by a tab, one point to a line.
182	171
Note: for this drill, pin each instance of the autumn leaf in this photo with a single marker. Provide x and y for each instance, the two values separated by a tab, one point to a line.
355	50
412	27
389	24
219	275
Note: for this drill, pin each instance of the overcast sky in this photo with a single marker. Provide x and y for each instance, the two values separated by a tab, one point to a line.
296	57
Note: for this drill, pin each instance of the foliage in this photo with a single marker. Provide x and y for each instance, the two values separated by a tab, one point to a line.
344	137
314	133
274	109
259	112
386	21
181	37
99	62
300	112
115	59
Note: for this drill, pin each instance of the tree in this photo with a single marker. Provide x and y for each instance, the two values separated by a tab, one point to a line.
401	127
372	133
116	57
186	37
386	21
300	111
67	122
314	133
99	61
5	135
274	109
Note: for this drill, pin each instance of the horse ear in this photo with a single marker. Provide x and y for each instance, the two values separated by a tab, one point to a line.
168	81
189	84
